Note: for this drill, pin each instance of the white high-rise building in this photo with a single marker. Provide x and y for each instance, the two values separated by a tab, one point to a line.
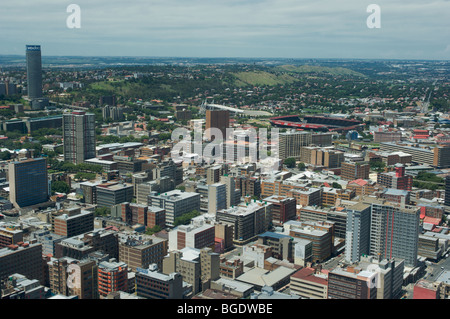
217	197
79	136
394	232
357	239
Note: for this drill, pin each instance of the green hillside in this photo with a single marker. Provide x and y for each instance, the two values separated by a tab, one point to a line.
312	69
261	78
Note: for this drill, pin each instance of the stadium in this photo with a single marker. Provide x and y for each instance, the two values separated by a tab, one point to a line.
316	123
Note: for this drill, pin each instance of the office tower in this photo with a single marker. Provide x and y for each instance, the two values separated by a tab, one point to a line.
217	197
142	251
249	220
78	136
352	171
176	203
397	179
291	143
249	186
319	156
24	258
112	112
133	213
327	214
168	168
34	71
89	190
283	208
351	283
110	194
282	245
79	247
186	262
28	182
394	232
197	266
320	233
230	183
223	236
370	278
84	283
146	188
217	119
77	224
357	239
213	174
193	236
112	276
152	284
447	192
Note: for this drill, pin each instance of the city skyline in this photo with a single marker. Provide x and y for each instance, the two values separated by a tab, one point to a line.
262	29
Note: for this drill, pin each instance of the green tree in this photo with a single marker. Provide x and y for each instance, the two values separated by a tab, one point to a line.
60	187
301	166
289	162
102	211
377	166
4	156
186	218
336	185
153	230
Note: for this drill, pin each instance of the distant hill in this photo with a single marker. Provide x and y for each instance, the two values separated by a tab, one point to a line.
261	78
312	69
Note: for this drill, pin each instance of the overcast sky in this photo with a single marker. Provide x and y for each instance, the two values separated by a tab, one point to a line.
410	29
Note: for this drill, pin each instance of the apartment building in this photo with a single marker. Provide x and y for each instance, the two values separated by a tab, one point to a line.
176	203
152	284
357	170
141	251
24	258
112	276
309	283
283	208
395	232
248	219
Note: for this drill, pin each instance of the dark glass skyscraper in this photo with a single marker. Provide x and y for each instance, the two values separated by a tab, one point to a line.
34	78
28	182
34	71
447	193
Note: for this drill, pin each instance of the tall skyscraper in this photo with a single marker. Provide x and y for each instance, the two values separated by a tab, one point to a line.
447	193
28	182
394	232
217	197
34	77
357	239
79	136
217	119
34	71
230	183
291	143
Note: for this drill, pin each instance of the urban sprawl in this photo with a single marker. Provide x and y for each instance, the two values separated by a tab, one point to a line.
95	204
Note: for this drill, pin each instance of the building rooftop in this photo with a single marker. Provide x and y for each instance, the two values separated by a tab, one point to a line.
309	274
